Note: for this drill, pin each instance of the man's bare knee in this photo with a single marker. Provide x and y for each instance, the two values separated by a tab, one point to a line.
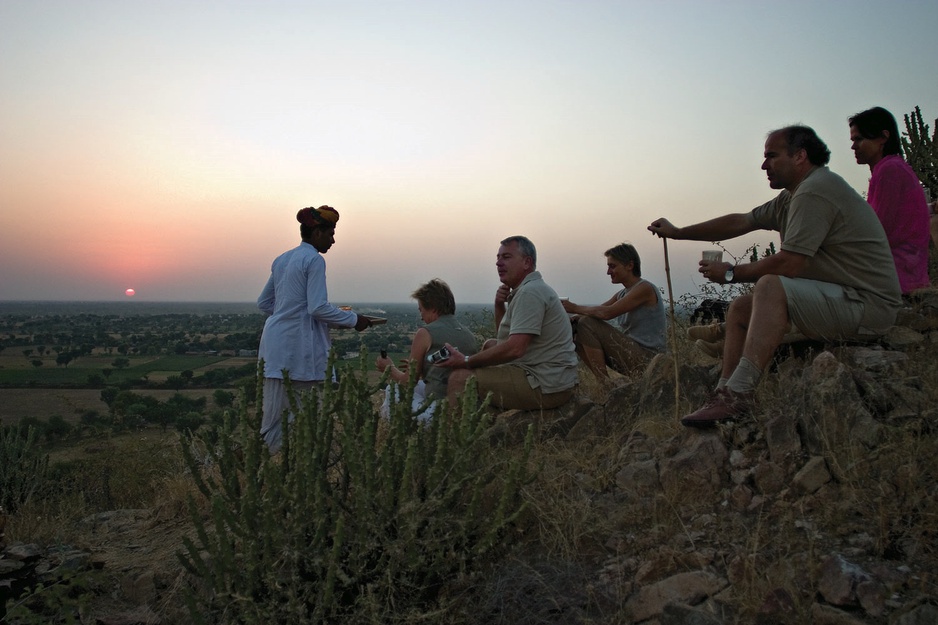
740	310
768	286
457	382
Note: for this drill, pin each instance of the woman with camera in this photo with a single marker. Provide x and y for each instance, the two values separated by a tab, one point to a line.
437	308
638	328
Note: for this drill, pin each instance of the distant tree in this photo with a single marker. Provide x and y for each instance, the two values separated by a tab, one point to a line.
180	404
57	428
96	380
191	421
223	398
27	352
109	394
63	359
34	423
37	363
106	372
120	363
175	382
921	150
90	417
41	349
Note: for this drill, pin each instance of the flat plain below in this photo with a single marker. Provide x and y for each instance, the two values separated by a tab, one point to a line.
42	403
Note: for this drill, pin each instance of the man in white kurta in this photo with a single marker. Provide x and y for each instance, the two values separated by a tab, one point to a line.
296	339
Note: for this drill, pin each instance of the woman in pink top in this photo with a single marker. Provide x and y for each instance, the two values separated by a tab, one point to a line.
895	193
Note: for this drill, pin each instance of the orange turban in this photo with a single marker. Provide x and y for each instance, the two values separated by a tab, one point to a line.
322	216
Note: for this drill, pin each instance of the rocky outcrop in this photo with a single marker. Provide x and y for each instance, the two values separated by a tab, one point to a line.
27	571
795	461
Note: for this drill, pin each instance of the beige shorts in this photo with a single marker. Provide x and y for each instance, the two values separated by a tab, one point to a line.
511	390
621	353
821	310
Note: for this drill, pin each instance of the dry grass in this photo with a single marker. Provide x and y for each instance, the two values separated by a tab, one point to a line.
585	539
883	507
125	471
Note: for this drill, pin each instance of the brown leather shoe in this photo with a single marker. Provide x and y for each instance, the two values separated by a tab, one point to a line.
723	405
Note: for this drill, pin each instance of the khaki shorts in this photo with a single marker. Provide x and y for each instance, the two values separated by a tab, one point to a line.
821	310
621	353
511	390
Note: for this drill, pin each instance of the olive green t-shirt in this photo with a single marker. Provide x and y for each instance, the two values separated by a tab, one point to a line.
550	360
828	221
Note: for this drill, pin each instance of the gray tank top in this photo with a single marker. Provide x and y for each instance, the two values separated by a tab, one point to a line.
445	330
646	325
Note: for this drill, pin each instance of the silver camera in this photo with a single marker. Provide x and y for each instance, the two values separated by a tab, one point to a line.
437	356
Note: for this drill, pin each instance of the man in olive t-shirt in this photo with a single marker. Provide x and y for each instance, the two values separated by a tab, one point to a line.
833	278
532	364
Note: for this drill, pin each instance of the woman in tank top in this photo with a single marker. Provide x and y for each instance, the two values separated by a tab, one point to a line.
437	308
628	329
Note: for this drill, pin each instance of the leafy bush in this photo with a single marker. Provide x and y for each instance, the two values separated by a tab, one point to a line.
189	421
57	428
22	466
222	398
357	519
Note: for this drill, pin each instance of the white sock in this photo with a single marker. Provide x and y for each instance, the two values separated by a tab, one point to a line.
745	377
722	382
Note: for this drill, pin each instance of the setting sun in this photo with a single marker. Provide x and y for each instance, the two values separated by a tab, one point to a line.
130	292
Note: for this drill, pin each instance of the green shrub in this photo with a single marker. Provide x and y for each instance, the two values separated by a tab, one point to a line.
189	421
357	519
57	428
22	466
222	398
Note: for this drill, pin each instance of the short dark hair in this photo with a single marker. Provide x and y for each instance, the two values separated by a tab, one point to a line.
871	124
626	253
804	138
436	295
524	244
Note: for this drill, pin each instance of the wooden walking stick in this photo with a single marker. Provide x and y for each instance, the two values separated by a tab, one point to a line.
667	273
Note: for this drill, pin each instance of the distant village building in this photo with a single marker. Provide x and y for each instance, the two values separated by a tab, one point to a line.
246	353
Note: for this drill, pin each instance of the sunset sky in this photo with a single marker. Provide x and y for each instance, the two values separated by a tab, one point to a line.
166	146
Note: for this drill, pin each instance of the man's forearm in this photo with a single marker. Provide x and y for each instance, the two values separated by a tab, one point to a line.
717	229
499	312
502	353
783	263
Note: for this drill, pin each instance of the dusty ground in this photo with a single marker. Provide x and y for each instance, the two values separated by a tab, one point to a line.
137	552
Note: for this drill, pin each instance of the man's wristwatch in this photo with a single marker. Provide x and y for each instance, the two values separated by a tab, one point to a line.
729	275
